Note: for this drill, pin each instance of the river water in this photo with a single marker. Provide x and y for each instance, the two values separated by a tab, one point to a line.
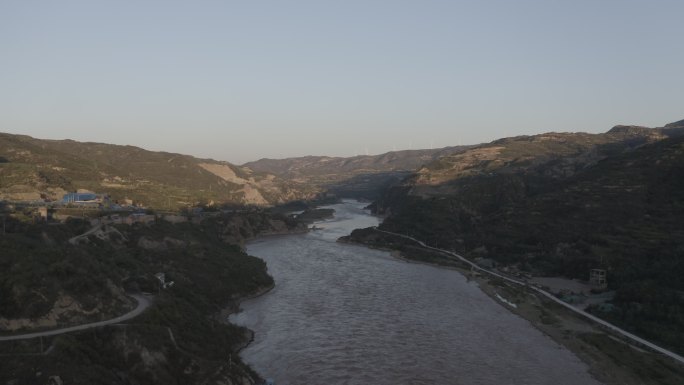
346	314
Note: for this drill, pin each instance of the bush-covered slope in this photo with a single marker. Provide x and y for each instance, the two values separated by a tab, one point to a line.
562	204
363	176
180	339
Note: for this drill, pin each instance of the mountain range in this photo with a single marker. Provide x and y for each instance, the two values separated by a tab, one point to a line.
361	176
36	169
553	204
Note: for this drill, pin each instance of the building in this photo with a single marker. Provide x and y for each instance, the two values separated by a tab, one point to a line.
88	199
598	279
76	197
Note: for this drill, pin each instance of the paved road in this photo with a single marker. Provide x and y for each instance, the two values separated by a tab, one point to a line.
75	239
550	296
143	304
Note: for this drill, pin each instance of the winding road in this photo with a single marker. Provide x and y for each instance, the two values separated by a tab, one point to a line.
550	296
143	303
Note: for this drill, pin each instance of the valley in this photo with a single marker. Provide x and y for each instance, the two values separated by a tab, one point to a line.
353	193
547	205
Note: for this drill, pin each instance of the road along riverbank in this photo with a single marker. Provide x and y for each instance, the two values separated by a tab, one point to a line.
614	355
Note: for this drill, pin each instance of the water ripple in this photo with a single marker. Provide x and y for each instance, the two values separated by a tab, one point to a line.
345	314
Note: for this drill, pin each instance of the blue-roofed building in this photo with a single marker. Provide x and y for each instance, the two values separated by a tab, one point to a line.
87	199
79	198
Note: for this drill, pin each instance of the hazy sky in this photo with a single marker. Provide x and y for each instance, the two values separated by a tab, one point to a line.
241	80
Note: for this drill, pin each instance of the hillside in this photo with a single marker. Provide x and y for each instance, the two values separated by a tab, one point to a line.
34	168
488	178
48	282
362	176
562	204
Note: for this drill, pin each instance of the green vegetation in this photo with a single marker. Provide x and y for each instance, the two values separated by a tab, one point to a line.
407	248
312	215
360	177
562	204
180	339
49	168
649	309
34	270
651	369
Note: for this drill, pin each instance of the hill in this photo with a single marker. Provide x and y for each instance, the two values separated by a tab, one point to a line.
362	176
34	168
562	204
46	281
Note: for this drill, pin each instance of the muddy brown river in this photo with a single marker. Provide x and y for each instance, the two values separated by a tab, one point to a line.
346	314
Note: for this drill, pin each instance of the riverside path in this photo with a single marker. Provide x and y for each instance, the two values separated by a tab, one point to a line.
550	296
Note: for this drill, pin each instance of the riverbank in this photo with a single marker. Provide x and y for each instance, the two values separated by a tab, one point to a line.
282	229
611	360
327	322
177	339
234	308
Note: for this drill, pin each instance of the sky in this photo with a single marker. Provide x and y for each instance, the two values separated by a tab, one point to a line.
242	80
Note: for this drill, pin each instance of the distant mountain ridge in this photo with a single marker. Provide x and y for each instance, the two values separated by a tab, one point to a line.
358	176
320	165
679	123
36	168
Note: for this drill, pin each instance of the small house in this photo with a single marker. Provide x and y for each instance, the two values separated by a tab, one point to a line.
597	278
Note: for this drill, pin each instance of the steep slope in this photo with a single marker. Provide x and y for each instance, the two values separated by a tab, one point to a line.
499	177
358	176
32	168
562	204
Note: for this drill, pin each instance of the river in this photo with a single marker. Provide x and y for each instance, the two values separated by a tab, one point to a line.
346	314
